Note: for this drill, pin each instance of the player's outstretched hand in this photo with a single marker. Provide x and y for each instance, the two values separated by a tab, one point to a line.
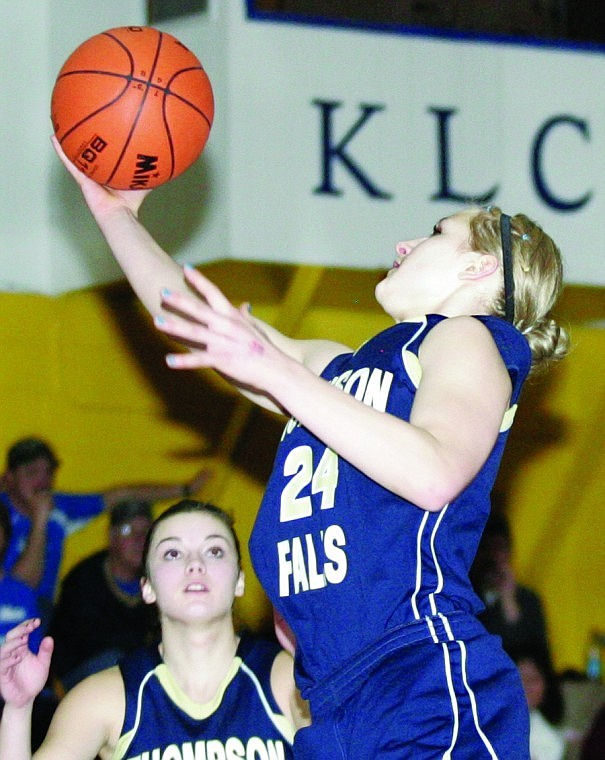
23	673
100	199
218	335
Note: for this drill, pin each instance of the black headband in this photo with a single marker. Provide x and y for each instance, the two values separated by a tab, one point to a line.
507	267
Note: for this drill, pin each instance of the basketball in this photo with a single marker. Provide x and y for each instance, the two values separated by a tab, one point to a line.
132	107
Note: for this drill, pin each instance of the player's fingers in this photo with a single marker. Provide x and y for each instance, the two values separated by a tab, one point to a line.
208	290
245	311
190	318
13	650
46	650
186	305
191	360
71	168
23	629
182	330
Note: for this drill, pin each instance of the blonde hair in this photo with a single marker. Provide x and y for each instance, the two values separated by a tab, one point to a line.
538	277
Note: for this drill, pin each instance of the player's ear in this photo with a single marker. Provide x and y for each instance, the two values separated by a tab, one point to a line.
240	584
147	591
479	265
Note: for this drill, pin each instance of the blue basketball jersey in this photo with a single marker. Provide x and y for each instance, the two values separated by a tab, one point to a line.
243	720
356	570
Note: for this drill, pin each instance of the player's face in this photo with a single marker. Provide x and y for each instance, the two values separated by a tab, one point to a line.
426	270
33	477
193	568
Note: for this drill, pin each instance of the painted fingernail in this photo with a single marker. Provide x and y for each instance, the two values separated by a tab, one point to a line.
159	321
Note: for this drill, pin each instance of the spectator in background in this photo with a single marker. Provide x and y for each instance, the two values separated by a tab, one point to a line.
545	702
17	600
42	518
100	614
512	611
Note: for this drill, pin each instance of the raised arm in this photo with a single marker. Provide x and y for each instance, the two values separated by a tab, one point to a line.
456	416
151	271
145	264
86	721
29	567
22	677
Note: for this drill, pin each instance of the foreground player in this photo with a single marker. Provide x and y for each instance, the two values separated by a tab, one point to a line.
381	483
203	692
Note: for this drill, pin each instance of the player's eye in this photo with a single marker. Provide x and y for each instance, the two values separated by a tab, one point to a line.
216	552
172	554
436	230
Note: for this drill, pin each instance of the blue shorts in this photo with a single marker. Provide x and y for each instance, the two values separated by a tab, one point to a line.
458	700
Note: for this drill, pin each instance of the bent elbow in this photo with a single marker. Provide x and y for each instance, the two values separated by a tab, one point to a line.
435	504
436	493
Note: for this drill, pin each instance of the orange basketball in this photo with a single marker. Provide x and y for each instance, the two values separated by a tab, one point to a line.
132	107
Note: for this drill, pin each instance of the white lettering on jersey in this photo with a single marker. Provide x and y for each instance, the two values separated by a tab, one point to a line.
299	568
234	748
306	476
370	386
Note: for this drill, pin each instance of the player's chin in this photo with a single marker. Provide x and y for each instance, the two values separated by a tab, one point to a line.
381	291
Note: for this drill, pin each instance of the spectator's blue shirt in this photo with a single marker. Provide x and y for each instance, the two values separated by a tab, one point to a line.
18	602
70	512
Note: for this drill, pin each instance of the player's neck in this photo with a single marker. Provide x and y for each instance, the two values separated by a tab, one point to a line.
199	661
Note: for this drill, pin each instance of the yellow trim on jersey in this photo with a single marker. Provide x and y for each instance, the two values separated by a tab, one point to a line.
125	740
412	366
410	360
195	710
122	745
509	416
279	720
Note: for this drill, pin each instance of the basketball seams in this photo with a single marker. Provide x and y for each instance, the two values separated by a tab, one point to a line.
92	114
164	118
140	109
182	98
129	78
102	72
124	47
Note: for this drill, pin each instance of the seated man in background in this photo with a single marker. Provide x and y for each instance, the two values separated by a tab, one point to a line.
100	614
512	611
546	707
18	601
42	518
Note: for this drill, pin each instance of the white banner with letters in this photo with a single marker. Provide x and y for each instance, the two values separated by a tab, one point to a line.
344	141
